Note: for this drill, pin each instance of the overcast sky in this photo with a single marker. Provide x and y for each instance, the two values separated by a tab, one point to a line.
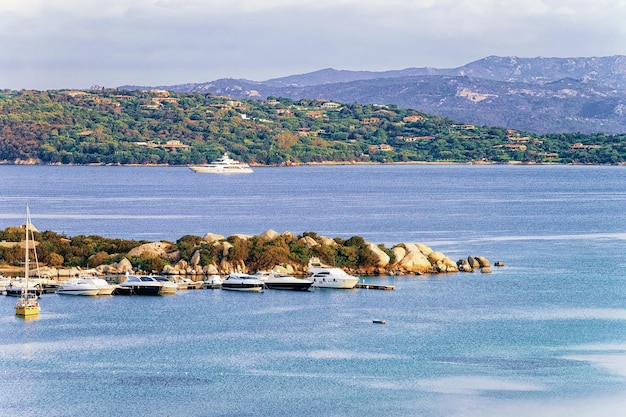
53	44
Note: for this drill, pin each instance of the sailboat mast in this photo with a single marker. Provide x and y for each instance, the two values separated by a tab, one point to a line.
27	248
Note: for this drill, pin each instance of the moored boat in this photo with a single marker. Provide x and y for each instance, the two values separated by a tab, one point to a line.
223	165
167	287
78	286
242	282
141	285
325	276
104	288
17	286
280	281
27	305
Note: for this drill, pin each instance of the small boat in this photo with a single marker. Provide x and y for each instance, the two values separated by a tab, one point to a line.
279	281
325	276
78	286
223	165
242	282
27	305
213	282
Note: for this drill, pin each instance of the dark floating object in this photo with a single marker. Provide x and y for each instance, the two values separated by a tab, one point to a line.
379	322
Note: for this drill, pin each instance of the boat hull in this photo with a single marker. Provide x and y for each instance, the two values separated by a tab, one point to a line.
342	284
17	292
289	285
145	290
242	287
90	292
27	308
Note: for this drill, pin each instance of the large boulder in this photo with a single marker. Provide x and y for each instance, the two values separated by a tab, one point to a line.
426	250
308	241
155	249
416	262
210	270
270	235
195	258
382	258
120	267
242	236
399	253
213	237
482	262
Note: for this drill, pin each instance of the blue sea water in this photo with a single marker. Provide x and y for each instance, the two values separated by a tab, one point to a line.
543	336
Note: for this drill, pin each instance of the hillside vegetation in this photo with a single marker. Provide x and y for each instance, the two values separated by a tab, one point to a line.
160	127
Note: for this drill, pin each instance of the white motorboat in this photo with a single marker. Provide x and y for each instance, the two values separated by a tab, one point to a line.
104	288
325	276
223	165
78	286
167	287
279	281
242	282
141	285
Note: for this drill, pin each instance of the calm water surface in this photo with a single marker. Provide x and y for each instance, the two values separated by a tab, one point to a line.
543	336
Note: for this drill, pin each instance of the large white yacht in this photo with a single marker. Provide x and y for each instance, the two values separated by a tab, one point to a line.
223	165
325	276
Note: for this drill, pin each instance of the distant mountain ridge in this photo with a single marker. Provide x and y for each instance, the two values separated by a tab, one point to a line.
541	95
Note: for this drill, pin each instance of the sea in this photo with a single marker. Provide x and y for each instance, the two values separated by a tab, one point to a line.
543	335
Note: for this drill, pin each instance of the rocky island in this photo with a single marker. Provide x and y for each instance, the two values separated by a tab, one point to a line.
217	254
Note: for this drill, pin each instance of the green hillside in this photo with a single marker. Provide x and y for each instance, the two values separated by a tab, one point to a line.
160	127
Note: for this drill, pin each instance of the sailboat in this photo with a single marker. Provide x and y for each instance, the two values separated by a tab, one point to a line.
27	305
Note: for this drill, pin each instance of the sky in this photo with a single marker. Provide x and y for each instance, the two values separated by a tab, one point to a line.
57	44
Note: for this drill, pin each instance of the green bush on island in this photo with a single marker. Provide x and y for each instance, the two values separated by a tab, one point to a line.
160	127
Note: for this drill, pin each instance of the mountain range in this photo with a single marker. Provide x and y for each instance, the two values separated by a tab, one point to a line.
540	95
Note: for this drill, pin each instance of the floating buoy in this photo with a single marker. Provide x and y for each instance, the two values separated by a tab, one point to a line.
380	321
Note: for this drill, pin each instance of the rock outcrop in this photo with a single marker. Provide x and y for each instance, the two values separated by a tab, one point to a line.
408	258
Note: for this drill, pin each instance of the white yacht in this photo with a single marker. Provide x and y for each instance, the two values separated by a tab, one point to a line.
325	276
78	286
242	282
223	165
104	288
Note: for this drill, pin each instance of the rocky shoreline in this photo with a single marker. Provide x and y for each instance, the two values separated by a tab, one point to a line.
271	250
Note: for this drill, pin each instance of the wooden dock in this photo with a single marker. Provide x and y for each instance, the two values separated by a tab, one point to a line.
375	286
